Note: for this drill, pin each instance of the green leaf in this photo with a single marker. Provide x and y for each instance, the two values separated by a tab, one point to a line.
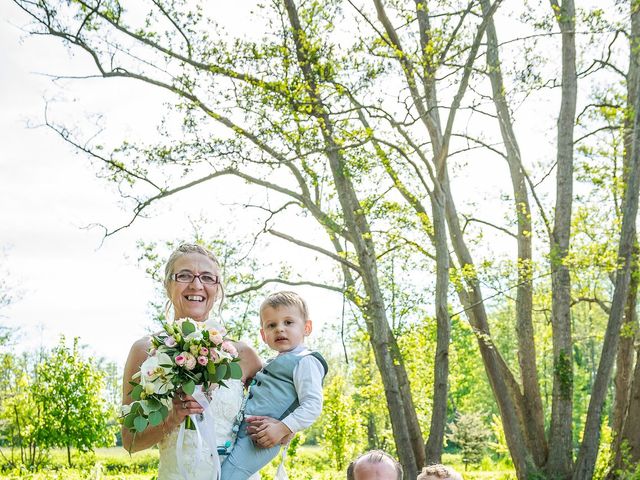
236	371
128	421
140	423
187	328
136	408
154	404
150	405
155	419
189	387
135	393
164	411
221	371
211	368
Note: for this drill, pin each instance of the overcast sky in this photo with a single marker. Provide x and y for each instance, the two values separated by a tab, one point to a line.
66	284
66	280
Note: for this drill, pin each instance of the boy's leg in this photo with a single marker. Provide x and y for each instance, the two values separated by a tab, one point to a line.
246	459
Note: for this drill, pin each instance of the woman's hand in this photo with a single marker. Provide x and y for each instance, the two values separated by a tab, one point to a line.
267	431
183	406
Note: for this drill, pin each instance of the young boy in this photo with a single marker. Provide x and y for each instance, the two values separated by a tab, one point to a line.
288	389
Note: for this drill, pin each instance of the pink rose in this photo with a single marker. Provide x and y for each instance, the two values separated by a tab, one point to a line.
190	362
202	360
216	339
181	359
170	342
230	348
204	351
213	355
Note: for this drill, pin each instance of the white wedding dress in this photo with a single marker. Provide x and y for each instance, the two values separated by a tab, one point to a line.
225	404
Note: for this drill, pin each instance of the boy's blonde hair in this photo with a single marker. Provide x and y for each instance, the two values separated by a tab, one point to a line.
439	472
285	299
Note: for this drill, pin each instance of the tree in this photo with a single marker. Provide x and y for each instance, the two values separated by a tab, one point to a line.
68	392
20	416
340	432
469	433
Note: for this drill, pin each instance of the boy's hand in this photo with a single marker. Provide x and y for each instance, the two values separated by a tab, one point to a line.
267	432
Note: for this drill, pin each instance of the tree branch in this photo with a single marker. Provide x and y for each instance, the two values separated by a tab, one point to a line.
315	248
260	285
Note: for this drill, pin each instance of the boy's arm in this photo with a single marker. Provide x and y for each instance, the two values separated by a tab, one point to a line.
307	378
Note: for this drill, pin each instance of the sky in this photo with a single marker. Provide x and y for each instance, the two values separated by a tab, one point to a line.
65	280
65	277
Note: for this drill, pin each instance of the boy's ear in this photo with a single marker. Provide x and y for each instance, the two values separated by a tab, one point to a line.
308	327
262	335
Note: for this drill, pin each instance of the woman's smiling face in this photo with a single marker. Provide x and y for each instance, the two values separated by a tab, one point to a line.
195	299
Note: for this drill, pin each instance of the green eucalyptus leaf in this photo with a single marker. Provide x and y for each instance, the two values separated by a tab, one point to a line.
189	387
221	371
155	419
128	421
140	423
236	371
135	393
187	328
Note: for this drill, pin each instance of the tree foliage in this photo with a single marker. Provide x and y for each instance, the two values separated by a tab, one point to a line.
68	391
469	433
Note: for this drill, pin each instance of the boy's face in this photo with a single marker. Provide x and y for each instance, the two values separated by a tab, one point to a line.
283	328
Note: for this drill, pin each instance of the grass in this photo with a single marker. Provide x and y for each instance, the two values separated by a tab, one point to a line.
104	464
310	463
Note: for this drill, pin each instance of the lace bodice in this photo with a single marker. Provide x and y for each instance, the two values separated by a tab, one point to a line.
225	404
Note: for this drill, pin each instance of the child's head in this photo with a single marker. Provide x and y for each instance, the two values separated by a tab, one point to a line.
284	321
439	472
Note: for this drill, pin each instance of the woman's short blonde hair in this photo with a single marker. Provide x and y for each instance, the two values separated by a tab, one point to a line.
439	472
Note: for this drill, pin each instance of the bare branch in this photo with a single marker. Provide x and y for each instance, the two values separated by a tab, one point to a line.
605	308
601	129
315	248
260	285
484	222
174	23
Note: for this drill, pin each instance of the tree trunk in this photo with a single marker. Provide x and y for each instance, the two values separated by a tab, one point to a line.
585	463
624	379
404	420
630	434
533	414
433	447
560	461
500	378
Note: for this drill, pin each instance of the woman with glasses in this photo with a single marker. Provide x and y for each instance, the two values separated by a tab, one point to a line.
192	283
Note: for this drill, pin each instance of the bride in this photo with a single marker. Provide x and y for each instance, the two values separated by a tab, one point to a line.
192	282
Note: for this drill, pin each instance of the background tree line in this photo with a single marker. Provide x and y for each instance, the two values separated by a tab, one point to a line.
368	122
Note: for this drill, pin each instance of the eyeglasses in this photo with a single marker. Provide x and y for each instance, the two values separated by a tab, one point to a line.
188	277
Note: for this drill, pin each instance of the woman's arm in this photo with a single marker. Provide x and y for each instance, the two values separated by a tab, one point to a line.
151	435
250	362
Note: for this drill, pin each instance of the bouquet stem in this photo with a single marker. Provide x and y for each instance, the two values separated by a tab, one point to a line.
188	424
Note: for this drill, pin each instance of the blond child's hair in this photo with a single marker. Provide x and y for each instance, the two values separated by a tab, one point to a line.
285	299
439	472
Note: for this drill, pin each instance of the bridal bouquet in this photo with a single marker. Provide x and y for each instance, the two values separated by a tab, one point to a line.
186	354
